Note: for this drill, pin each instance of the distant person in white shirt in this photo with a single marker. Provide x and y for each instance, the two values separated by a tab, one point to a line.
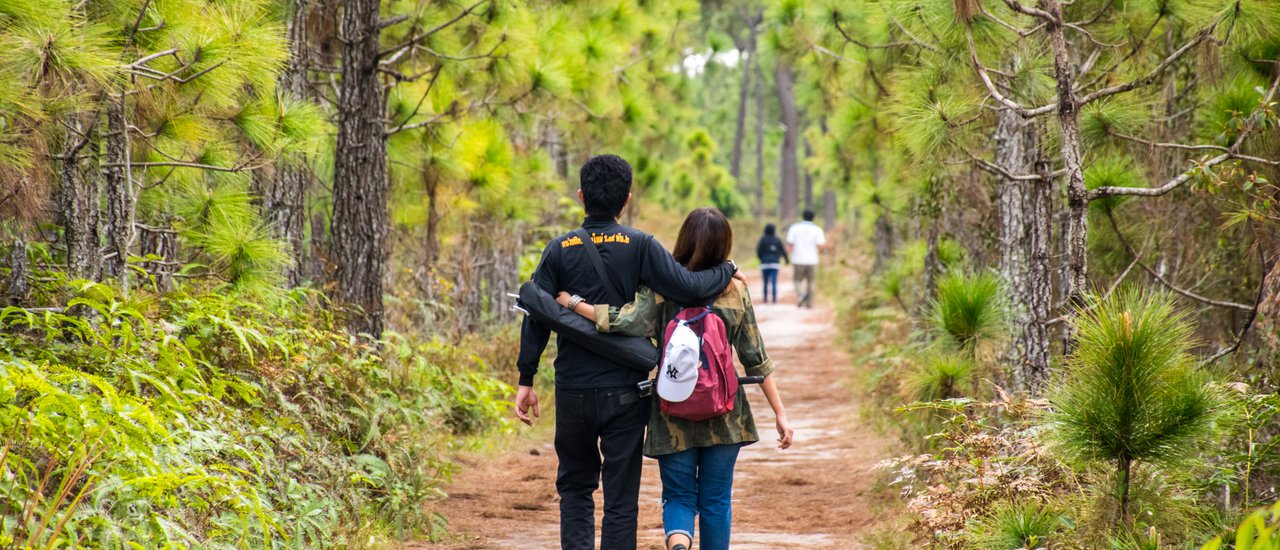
805	240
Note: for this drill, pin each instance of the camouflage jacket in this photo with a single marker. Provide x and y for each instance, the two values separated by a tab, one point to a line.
648	315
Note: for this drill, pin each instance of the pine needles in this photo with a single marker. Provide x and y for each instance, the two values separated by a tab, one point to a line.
1130	392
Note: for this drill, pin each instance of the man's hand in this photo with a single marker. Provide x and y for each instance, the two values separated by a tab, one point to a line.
739	276
563	298
526	402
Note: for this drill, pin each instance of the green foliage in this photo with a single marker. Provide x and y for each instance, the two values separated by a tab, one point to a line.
1257	531
1112	171
1014	526
940	376
971	312
1130	391
124	416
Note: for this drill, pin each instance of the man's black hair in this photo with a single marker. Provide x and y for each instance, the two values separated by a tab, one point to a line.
808	215
605	181
770	229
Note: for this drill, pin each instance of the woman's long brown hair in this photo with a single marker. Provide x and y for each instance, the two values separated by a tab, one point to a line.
705	240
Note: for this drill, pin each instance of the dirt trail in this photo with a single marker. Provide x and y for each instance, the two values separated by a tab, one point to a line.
815	495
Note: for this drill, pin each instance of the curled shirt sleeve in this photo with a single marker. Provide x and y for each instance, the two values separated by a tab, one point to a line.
749	344
638	318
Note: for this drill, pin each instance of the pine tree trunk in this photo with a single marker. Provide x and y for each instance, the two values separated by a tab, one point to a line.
433	220
759	140
160	242
284	206
931	264
119	190
357	246
19	285
79	204
1072	159
747	57
1126	472
789	170
808	178
1024	221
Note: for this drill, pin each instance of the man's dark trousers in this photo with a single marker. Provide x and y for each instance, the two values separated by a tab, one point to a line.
591	423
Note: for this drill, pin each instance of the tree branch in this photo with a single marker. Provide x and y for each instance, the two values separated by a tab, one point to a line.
421	36
991	86
1157	71
1115	226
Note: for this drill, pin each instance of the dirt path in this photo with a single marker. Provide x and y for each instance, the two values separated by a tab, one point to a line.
815	495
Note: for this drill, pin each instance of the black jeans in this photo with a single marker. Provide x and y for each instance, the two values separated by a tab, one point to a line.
592	425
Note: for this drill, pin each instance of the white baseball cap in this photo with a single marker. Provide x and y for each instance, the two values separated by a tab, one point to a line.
680	361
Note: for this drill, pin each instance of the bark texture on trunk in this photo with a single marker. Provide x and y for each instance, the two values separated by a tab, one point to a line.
161	242
284	203
789	169
1072	159
883	240
357	246
120	194
19	284
747	57
1024	212
79	203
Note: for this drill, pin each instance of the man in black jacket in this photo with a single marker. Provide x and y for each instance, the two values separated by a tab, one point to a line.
599	413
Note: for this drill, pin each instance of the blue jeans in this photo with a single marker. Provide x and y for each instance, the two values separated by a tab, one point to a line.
699	482
770	281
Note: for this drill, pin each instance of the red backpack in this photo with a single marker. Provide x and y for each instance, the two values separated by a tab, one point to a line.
696	377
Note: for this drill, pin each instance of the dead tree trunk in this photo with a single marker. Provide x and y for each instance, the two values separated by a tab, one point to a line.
284	206
79	204
1024	223
119	190
747	56
789	169
358	248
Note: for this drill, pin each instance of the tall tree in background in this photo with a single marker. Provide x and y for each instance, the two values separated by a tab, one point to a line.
285	195
747	58
789	166
358	247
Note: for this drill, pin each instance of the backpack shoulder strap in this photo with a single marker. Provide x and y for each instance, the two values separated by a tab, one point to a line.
610	285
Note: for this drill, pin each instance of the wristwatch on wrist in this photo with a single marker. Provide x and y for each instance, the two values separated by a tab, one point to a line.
575	300
734	264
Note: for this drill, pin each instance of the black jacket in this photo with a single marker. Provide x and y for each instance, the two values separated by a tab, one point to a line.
633	258
770	250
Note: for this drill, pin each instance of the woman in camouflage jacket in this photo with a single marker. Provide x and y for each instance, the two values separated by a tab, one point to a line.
696	458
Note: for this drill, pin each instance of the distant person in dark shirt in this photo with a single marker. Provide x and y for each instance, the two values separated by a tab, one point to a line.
600	415
771	251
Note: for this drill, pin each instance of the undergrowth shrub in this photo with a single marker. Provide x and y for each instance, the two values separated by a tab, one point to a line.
1014	526
222	420
988	458
1130	391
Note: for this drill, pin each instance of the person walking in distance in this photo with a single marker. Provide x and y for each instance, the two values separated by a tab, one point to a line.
805	242
770	251
600	414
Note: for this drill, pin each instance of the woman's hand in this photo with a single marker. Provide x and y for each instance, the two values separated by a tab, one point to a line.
563	298
785	433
